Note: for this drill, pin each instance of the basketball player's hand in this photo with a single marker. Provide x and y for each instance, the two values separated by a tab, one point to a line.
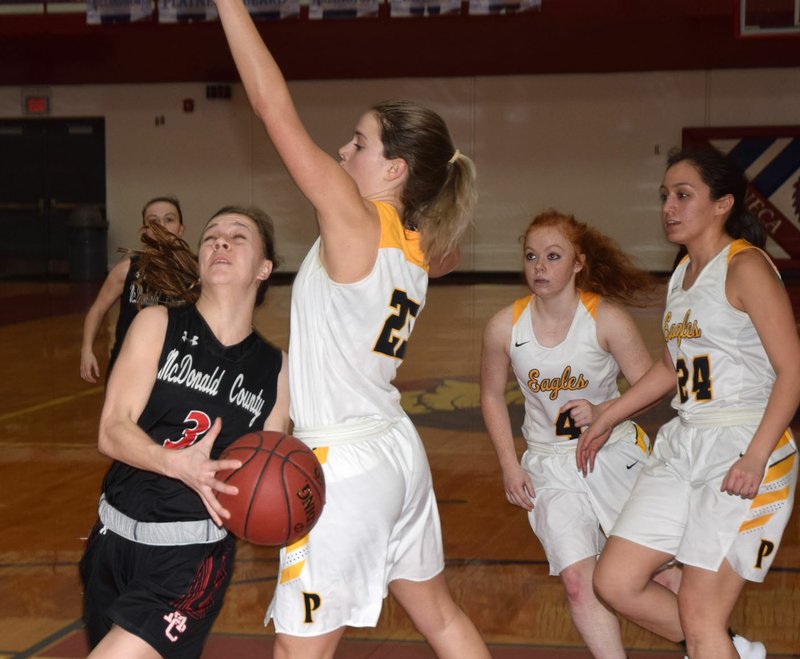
589	443
744	477
583	413
197	469
518	487
90	371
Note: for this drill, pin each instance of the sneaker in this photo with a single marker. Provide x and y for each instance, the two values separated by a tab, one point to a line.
749	649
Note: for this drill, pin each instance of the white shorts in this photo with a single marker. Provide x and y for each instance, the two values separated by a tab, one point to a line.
380	523
572	514
677	506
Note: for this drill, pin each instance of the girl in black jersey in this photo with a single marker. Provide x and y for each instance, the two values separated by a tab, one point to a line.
188	381
120	284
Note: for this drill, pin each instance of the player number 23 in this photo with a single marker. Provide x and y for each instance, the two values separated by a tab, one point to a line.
389	341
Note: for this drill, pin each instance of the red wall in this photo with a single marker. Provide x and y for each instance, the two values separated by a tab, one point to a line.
566	36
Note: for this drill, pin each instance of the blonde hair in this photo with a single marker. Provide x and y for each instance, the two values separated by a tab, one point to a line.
440	193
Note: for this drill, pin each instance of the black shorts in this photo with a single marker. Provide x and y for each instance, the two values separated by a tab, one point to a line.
167	596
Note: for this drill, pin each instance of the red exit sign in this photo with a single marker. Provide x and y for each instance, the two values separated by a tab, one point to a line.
36	105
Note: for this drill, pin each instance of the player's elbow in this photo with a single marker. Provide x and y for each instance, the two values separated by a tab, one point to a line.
105	438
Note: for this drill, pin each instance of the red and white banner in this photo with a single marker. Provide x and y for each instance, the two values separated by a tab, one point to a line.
484	7
327	9
407	8
102	12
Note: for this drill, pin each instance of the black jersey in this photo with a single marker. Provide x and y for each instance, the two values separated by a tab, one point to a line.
198	380
132	299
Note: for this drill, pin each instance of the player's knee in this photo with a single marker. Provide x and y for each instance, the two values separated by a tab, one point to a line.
608	585
436	621
577	586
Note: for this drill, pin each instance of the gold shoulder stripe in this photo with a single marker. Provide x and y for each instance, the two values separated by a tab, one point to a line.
591	301
519	307
741	245
395	236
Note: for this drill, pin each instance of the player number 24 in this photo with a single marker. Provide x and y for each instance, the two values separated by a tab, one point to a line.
701	378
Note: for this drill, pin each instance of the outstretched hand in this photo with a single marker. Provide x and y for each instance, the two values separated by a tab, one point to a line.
194	466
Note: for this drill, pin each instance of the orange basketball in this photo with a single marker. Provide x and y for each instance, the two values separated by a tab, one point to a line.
281	488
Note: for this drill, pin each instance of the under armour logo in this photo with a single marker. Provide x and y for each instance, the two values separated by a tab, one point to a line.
185	338
177	621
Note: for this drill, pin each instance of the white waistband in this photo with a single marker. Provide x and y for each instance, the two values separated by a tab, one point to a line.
197	532
348	432
569	445
556	448
734	416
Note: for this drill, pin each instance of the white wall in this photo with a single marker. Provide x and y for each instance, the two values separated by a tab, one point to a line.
593	145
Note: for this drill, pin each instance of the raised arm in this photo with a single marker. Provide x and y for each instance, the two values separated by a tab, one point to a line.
128	391
348	224
110	292
495	362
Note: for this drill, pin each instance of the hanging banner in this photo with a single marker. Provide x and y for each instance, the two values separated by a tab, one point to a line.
343	9
103	12
770	157
484	7
273	9
186	11
406	8
21	7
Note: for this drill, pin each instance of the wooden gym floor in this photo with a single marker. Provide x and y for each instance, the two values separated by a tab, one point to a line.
51	471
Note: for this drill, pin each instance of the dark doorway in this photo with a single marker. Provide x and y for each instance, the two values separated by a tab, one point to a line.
48	167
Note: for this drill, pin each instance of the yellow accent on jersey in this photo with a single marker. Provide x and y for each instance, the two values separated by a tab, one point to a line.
755	523
591	301
395	235
322	454
770	497
779	470
741	245
641	440
292	571
519	307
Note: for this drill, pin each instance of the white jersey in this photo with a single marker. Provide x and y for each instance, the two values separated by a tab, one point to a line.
549	376
719	359
347	340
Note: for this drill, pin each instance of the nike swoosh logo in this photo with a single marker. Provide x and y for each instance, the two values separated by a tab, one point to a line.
632	465
517	344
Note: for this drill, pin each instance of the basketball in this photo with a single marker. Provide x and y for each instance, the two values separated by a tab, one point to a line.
281	488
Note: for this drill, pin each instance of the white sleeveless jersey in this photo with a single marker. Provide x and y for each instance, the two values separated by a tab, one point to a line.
347	340
578	367
719	359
